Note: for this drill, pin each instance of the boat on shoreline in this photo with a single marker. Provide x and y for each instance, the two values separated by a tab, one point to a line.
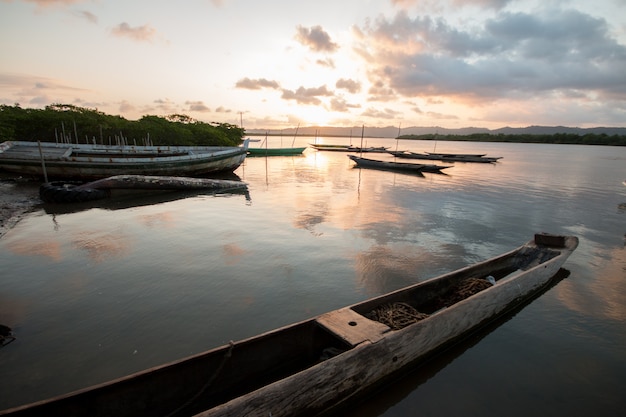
397	166
86	161
314	366
61	192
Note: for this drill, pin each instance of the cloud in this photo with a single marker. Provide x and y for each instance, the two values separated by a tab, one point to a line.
257	84
222	109
511	55
32	85
51	3
198	106
417	110
306	95
381	114
349	85
316	39
165	103
87	16
126	107
326	63
341	105
441	116
139	33
486	4
378	91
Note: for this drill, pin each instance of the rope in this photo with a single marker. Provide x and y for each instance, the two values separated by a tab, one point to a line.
208	383
465	289
397	315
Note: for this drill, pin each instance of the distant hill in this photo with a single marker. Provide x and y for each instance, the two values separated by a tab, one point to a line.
392	132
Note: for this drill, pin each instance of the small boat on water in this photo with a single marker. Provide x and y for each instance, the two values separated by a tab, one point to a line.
86	161
446	157
397	166
457	155
317	365
349	148
276	151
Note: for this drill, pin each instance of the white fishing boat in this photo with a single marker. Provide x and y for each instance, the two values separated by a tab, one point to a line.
62	160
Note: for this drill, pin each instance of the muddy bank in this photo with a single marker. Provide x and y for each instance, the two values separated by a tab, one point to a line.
17	197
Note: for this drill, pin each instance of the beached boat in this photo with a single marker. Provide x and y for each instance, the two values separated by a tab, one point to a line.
446	157
70	192
396	166
68	161
276	151
316	365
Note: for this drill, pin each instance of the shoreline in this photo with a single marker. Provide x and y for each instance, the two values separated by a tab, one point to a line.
18	196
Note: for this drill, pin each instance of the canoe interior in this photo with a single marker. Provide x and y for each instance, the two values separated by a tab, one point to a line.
213	378
430	296
206	380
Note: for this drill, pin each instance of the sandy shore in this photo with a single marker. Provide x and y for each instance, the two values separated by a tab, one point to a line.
17	197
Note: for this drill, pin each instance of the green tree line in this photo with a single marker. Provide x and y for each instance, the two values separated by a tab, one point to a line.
562	138
69	123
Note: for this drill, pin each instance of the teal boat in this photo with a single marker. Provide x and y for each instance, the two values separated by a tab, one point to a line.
275	151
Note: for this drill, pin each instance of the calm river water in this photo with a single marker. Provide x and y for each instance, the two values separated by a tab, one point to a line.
97	291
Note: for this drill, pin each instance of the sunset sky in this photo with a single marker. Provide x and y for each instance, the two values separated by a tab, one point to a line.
277	64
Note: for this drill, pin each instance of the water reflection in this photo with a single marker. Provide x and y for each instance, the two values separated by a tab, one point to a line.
601	298
36	247
101	245
125	199
384	268
320	235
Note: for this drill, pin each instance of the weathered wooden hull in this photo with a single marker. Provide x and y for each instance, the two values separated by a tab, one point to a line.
287	372
396	166
275	151
99	161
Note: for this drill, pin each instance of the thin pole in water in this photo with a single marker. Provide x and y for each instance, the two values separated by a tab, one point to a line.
398	138
362	130
294	136
43	163
75	132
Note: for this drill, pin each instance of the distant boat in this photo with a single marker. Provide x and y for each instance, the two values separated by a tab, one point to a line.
349	148
275	151
323	363
396	166
446	157
67	161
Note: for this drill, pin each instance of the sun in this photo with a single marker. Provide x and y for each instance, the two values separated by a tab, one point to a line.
313	116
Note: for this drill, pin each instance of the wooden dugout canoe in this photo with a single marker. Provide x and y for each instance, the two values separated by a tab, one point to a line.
397	166
446	157
349	148
85	161
314	366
